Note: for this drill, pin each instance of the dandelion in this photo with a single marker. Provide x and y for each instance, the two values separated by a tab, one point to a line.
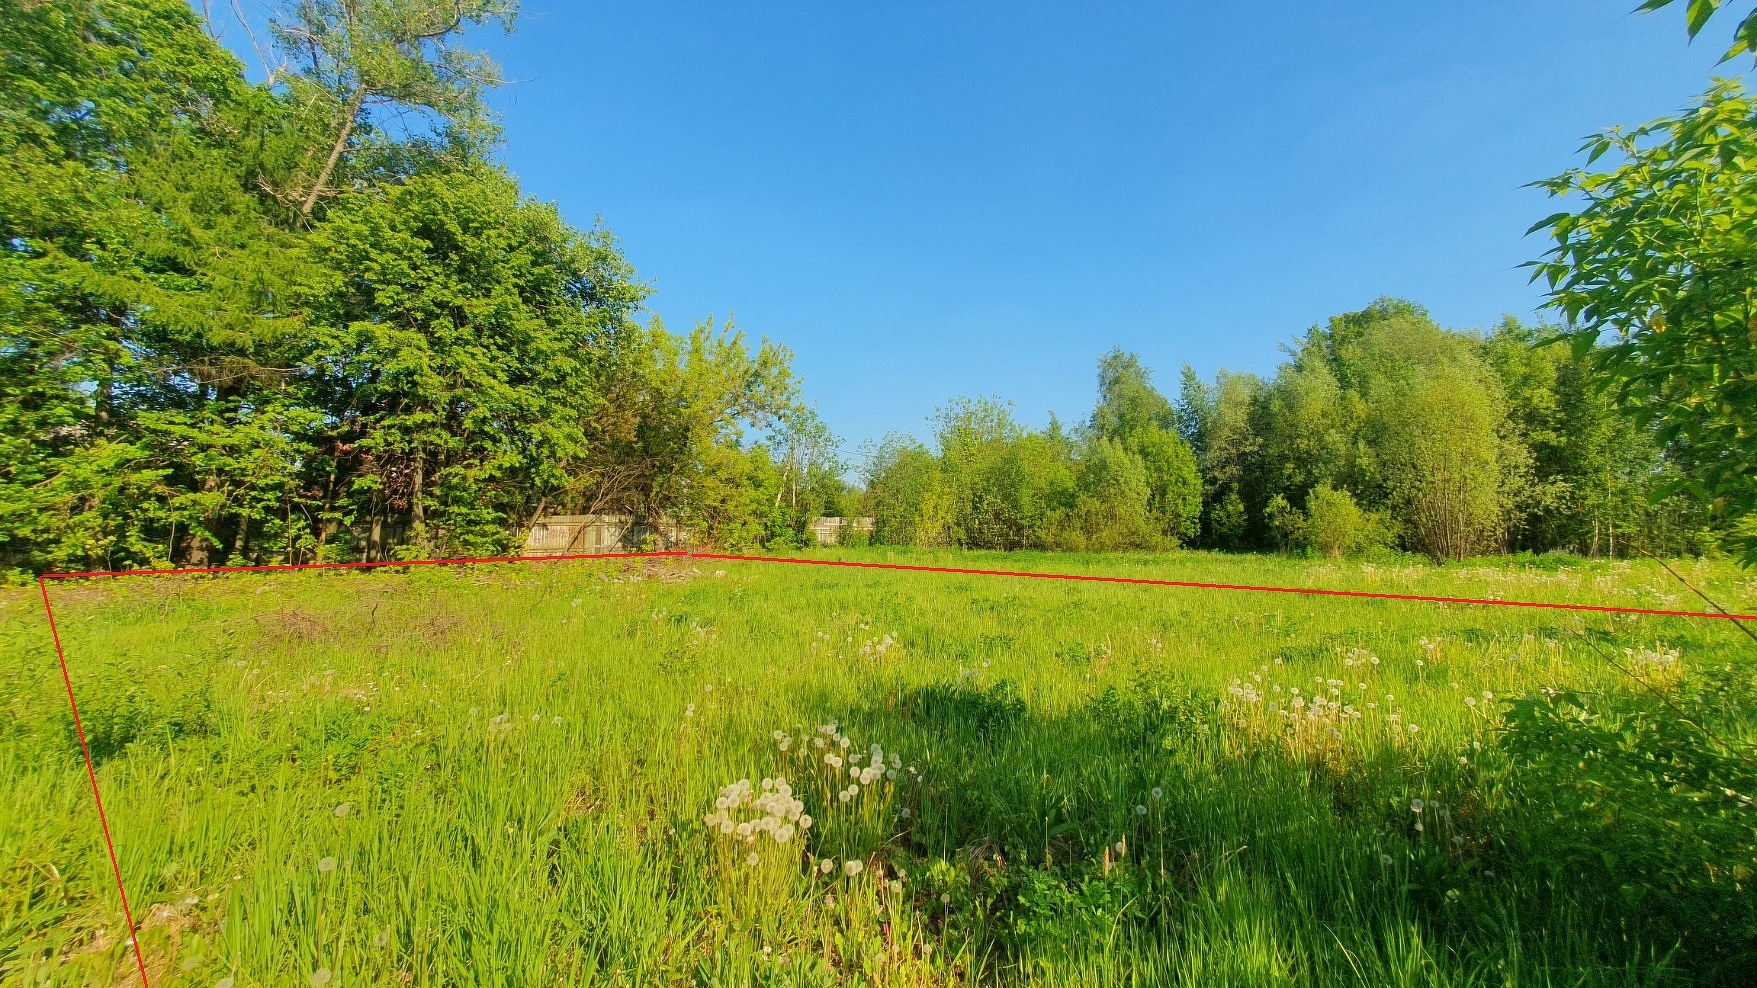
689	711
326	865
852	868
826	866
945	898
1157	792
1121	847
320	977
1470	701
1416	805
1140	810
754	859
224	983
343	810
1385	859
1488	697
707	687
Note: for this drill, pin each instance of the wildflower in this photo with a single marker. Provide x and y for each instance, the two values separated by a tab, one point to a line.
708	688
343	810
556	720
501	719
945	898
1140	810
1416	805
805	821
1385	859
1157	792
320	977
689	711
1488	697
754	859
1470	701
224	983
852	868
1121	847
326	865
1463	760
826	866
905	813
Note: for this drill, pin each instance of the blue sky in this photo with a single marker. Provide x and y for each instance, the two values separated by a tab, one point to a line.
956	198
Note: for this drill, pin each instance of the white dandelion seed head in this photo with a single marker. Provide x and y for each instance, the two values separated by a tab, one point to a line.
754	859
1157	792
326	865
1140	810
344	809
826	866
852	867
1416	805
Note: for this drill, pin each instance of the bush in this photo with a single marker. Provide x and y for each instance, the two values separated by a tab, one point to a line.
1629	802
1335	526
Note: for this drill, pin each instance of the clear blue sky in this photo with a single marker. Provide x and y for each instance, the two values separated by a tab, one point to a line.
930	199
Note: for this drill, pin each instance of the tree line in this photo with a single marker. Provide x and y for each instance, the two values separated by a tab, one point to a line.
1381	430
311	318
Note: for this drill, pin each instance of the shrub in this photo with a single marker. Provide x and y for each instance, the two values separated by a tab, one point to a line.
1630	802
1335	526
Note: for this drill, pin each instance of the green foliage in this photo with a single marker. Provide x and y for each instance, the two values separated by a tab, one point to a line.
1696	16
244	323
1334	525
1653	273
1632	796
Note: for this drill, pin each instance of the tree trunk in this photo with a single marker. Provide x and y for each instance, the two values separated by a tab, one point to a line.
335	154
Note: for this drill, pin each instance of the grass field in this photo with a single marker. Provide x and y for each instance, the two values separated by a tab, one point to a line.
508	775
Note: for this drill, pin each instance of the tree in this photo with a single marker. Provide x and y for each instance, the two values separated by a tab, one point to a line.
1655	274
358	56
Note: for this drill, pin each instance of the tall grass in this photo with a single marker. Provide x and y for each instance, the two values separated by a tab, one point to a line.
505	776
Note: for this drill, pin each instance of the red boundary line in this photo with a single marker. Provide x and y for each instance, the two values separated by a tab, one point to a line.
92	772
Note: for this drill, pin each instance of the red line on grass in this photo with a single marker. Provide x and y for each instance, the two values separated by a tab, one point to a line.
91	768
92	772
1192	585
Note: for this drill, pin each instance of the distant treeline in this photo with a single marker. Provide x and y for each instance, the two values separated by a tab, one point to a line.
312	319
1382	430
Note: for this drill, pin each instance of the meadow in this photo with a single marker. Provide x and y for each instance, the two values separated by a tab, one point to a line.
698	772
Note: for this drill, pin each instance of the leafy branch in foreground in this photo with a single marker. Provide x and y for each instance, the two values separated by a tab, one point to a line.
1656	275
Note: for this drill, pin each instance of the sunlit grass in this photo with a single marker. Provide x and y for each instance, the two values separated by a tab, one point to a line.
508	775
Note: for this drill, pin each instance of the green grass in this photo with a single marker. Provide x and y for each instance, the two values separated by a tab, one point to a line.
499	775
